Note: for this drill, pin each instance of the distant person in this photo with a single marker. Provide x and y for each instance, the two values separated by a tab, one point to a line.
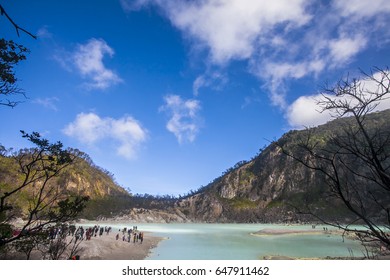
141	237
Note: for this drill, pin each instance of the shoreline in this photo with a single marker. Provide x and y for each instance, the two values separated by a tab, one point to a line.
278	232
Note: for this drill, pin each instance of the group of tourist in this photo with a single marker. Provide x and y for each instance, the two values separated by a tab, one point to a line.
131	234
97	230
314	227
82	233
61	230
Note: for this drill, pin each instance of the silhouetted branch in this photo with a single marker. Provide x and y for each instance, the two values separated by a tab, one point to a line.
17	27
353	159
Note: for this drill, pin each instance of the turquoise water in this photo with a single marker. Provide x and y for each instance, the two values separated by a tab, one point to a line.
235	242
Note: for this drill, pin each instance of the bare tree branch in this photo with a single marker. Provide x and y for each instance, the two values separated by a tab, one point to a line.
354	159
16	26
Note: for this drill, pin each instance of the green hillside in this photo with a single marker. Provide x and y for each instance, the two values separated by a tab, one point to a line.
81	178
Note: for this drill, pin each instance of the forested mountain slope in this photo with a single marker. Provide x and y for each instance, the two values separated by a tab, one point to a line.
272	187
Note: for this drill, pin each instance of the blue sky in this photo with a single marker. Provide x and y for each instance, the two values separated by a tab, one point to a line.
169	94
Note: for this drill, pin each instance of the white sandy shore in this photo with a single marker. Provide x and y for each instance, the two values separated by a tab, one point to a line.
106	247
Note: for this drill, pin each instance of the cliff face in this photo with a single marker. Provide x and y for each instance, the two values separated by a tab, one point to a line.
202	208
84	178
141	215
257	191
106	197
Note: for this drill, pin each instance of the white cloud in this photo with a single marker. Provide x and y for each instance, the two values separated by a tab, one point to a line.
277	73
228	28
49	102
231	28
215	80
44	33
362	8
127	133
305	111
199	82
281	40
330	41
248	100
344	48
184	121
88	59
133	5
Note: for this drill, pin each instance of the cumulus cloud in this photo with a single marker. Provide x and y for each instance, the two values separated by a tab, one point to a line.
344	48
305	111
126	133
88	59
184	121
228	28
